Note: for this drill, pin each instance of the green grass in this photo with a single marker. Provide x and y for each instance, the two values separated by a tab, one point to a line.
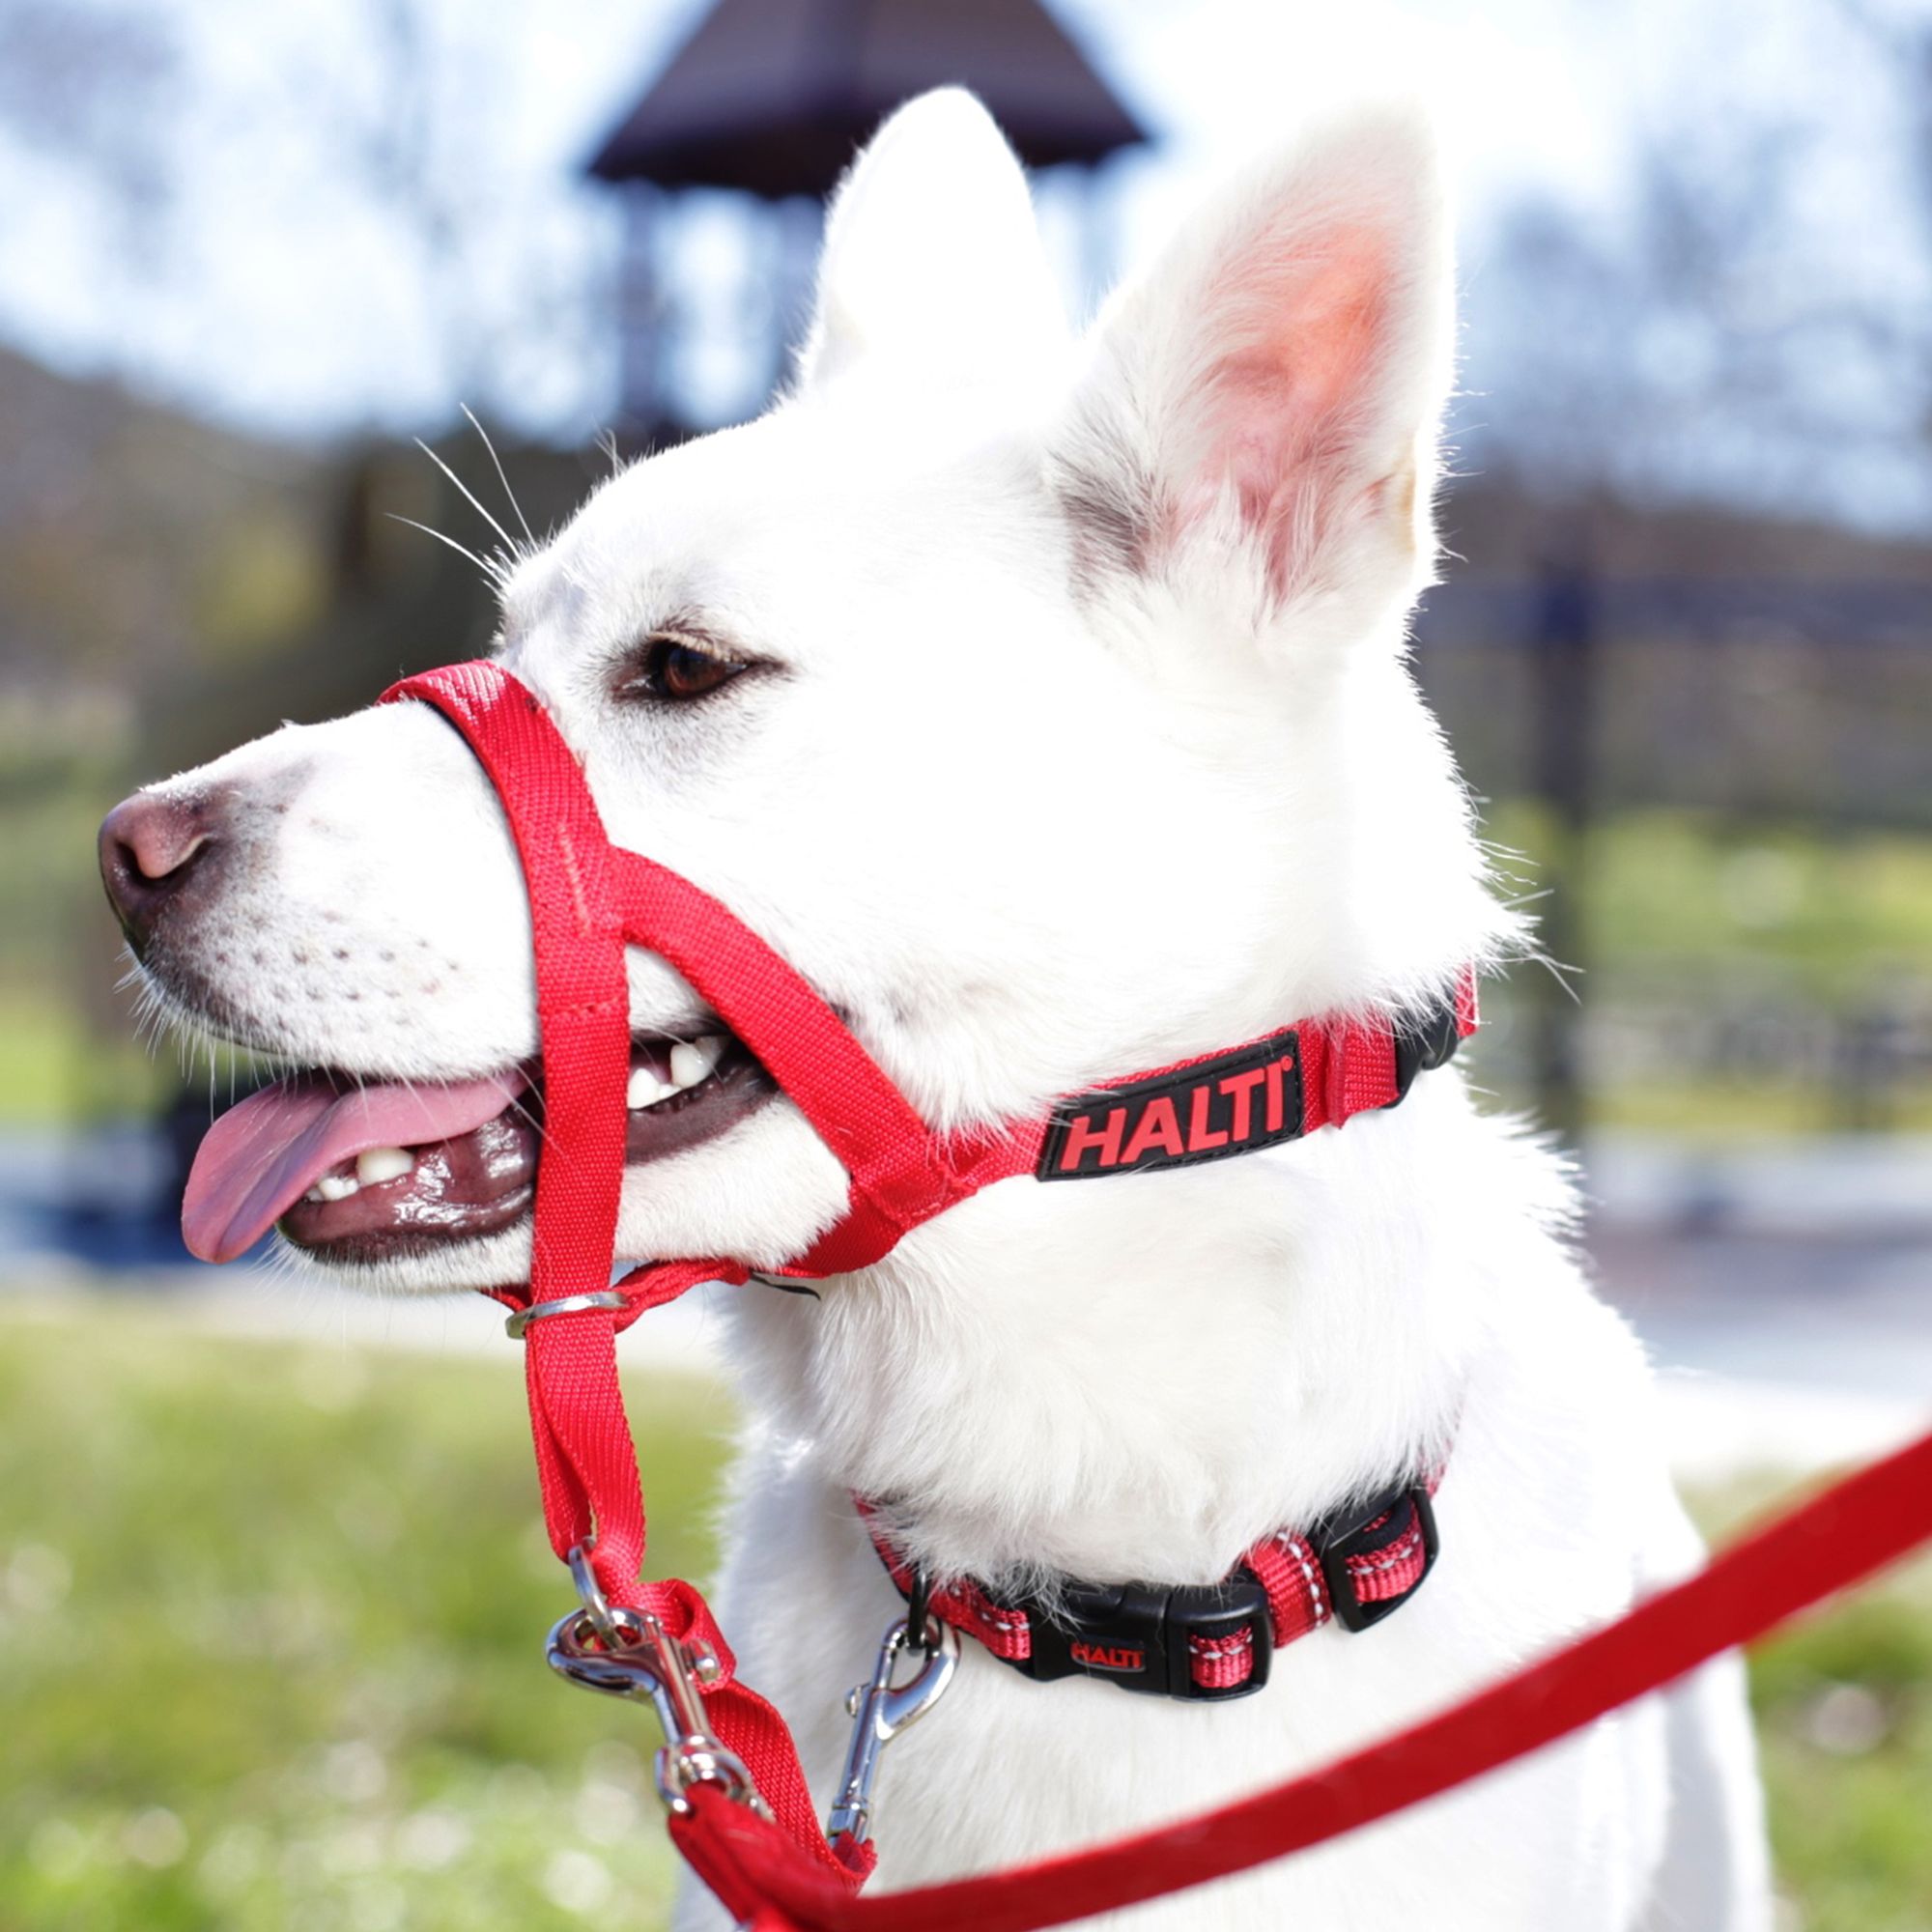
1690	919
1844	1703
1679	892
271	1645
268	1630
1847	1722
53	1071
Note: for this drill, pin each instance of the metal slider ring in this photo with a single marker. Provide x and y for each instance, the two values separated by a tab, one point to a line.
520	1319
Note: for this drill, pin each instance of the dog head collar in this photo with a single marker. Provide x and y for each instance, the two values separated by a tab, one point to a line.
589	899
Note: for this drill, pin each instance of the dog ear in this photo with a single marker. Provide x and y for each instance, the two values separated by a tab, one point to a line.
932	266
1268	396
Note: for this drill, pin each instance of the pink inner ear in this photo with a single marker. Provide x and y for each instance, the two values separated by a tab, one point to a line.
1306	322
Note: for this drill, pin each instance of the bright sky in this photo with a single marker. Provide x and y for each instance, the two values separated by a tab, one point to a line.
279	288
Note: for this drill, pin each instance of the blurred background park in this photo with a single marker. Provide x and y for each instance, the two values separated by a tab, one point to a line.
270	1586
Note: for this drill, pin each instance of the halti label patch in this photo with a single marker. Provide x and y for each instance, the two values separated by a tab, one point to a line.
1231	1103
1107	1656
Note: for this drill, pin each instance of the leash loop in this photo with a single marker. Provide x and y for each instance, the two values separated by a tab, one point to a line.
881	1710
647	1664
596	1605
520	1318
919	1612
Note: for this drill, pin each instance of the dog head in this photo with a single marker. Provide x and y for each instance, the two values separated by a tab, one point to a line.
1041	702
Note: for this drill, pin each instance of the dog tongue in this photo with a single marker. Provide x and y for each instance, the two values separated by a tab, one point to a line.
261	1157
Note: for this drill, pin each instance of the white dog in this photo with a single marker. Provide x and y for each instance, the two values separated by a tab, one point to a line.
1045	705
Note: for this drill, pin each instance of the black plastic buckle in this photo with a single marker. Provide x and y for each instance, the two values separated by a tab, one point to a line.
1363	1533
1422	1043
1136	1634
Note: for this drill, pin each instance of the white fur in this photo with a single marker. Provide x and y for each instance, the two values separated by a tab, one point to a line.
1094	749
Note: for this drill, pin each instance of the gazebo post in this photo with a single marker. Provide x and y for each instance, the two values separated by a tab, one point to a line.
640	307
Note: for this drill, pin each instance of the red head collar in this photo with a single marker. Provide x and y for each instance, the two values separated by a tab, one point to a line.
589	899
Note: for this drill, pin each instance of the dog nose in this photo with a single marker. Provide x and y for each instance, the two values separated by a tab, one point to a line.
149	847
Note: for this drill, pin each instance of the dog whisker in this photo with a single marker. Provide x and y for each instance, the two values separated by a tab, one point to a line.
1558	969
501	477
469	494
491	569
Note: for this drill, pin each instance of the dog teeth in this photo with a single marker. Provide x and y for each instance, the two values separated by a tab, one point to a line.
696	1061
373	1165
691	1062
645	1090
384	1163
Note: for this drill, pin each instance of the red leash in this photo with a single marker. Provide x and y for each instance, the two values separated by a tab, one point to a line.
780	1877
1838	1537
741	1810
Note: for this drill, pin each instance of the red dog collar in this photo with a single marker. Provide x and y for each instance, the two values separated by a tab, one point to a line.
1196	1642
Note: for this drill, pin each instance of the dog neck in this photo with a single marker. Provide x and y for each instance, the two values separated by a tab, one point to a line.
1140	1377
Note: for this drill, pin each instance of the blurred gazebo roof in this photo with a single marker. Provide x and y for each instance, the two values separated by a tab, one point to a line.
775	97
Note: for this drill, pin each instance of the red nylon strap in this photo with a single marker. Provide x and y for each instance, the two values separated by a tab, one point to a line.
1221	1662
587	1473
1298	1593
1836	1538
1007	1633
1347	1067
1393	1569
586	900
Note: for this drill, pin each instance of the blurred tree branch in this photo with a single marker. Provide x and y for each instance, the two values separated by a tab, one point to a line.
275	144
1747	319
99	79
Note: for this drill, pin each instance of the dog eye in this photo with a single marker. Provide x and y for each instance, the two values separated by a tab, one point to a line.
674	670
